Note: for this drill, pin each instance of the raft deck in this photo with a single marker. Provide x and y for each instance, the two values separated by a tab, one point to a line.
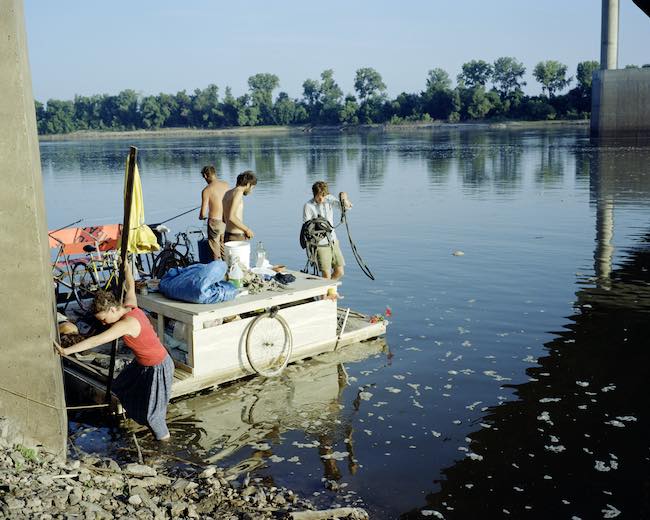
207	341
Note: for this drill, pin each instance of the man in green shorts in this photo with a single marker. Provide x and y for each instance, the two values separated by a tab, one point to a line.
329	256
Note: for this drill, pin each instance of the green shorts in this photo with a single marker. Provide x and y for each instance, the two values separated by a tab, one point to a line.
329	257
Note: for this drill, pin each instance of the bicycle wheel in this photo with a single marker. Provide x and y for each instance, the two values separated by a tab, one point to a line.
84	284
269	344
164	262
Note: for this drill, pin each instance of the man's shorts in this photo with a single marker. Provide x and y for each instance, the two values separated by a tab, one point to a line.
329	258
216	230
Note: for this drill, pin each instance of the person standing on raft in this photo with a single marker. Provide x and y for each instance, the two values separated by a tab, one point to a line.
212	210
329	256
144	385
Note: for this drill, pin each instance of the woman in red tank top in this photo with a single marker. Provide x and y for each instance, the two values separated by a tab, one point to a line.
143	386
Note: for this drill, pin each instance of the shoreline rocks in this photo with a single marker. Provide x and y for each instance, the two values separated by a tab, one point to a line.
34	484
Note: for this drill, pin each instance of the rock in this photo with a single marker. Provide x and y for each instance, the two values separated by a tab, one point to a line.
45	480
140	470
75	496
148	482
178	507
75	464
208	504
279	500
249	490
17	458
135	500
93	495
61	500
113	466
99	512
14	503
208	472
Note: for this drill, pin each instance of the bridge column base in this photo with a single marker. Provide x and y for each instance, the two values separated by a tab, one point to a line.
620	107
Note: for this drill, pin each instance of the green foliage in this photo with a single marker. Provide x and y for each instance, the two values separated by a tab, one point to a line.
507	76
438	79
368	84
475	73
261	99
480	104
284	109
552	76
584	74
29	454
323	103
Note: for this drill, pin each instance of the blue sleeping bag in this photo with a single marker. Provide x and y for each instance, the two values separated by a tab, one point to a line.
198	283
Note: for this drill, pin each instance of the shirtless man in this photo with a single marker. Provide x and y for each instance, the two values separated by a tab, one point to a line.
233	207
212	210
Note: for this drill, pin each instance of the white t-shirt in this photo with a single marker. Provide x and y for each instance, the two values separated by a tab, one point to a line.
325	209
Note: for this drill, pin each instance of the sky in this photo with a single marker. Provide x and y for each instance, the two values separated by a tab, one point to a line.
151	46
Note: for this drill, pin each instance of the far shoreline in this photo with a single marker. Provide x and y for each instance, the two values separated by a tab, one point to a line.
287	130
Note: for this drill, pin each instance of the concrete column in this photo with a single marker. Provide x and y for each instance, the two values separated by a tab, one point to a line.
609	35
31	380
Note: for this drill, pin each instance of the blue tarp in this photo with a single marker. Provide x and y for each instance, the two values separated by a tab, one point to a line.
198	283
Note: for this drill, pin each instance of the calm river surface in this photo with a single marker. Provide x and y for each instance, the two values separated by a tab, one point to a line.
513	379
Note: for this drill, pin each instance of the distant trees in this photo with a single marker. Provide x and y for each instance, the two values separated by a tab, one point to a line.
551	75
483	91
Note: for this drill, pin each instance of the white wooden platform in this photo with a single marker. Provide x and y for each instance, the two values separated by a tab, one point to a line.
209	351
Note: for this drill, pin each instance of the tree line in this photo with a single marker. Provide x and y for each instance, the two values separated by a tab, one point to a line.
483	91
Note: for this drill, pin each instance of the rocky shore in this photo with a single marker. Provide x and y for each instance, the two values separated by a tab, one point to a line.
33	484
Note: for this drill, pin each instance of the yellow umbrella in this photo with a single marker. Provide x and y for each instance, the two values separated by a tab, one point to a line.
141	238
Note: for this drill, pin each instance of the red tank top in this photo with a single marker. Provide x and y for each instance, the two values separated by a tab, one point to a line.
147	348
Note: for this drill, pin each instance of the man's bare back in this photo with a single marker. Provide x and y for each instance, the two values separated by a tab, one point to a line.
211	199
233	197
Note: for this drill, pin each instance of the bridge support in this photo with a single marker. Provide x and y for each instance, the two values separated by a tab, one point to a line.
609	35
620	99
31	380
620	105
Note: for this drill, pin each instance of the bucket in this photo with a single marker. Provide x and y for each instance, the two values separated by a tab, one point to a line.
238	249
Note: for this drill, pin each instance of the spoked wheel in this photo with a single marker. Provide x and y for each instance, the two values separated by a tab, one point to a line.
84	285
268	344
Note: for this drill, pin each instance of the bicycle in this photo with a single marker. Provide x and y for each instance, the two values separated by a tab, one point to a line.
62	275
98	271
174	254
269	343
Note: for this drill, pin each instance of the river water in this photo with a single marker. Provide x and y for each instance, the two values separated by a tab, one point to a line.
511	383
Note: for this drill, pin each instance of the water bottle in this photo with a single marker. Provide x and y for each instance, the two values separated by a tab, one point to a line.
261	255
235	274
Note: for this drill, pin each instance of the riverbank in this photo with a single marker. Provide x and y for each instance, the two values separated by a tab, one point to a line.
285	130
34	484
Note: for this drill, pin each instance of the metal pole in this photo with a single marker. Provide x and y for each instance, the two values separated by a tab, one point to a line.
124	243
609	35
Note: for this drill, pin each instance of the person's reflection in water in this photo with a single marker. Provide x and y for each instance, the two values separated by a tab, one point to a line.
332	471
353	465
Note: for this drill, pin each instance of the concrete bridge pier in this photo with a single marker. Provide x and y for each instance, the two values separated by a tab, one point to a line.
31	380
620	99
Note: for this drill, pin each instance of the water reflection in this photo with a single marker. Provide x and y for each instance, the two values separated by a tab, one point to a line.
243	425
464	325
574	444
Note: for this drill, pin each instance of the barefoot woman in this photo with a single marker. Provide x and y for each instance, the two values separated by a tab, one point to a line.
144	386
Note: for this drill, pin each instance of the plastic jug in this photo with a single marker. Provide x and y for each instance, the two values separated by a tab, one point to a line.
235	274
261	255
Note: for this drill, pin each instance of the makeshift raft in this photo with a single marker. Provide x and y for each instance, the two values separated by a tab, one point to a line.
208	342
